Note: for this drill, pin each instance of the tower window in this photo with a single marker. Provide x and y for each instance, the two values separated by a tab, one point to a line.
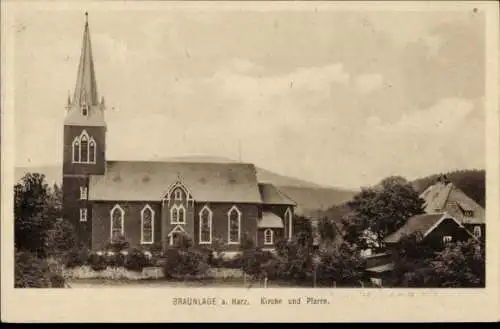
76	150
92	151
83	214
85	110
83	193
84	149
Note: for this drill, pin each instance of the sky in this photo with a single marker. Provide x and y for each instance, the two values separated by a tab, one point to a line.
340	98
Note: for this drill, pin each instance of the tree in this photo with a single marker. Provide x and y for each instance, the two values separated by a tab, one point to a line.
411	262
61	237
296	257
341	264
381	210
460	264
34	213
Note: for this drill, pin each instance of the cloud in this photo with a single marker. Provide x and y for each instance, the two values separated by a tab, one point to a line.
369	82
442	118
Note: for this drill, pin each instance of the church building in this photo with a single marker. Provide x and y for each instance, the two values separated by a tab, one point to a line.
149	203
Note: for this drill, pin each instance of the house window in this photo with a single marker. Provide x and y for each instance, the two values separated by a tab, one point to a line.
268	236
147	224
177	214
83	214
288	222
205	226
446	239
92	151
76	150
83	192
178	195
234	221
477	231
117	216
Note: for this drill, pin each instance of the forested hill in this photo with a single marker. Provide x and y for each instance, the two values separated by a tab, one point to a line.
471	182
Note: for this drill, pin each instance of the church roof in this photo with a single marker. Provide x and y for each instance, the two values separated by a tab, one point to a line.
271	195
86	84
150	181
269	220
447	197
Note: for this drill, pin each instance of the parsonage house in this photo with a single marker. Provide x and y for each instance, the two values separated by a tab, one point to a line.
450	216
151	203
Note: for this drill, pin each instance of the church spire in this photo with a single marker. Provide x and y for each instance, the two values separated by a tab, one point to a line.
86	86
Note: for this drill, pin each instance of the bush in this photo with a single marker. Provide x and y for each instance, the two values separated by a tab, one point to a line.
76	257
136	260
236	262
181	262
116	259
118	244
32	272
57	280
61	238
97	262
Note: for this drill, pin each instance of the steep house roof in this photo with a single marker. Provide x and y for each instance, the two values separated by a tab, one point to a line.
271	195
446	197
423	224
149	181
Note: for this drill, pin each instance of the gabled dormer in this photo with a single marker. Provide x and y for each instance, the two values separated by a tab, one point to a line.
84	124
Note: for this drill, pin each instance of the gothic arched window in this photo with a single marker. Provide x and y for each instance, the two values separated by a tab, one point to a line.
182	214
288	223
117	223
84	149
177	214
147	227
76	150
234	218
92	151
205	226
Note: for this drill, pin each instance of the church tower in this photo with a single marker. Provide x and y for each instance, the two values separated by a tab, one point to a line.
84	142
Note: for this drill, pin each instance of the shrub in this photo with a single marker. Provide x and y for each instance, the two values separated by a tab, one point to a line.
76	257
97	262
61	238
118	244
136	260
180	262
57	280
32	272
116	259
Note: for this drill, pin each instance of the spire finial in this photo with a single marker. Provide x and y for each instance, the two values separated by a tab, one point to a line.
86	17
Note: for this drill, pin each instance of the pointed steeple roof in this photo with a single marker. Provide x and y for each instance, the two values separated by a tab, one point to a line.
86	85
85	108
